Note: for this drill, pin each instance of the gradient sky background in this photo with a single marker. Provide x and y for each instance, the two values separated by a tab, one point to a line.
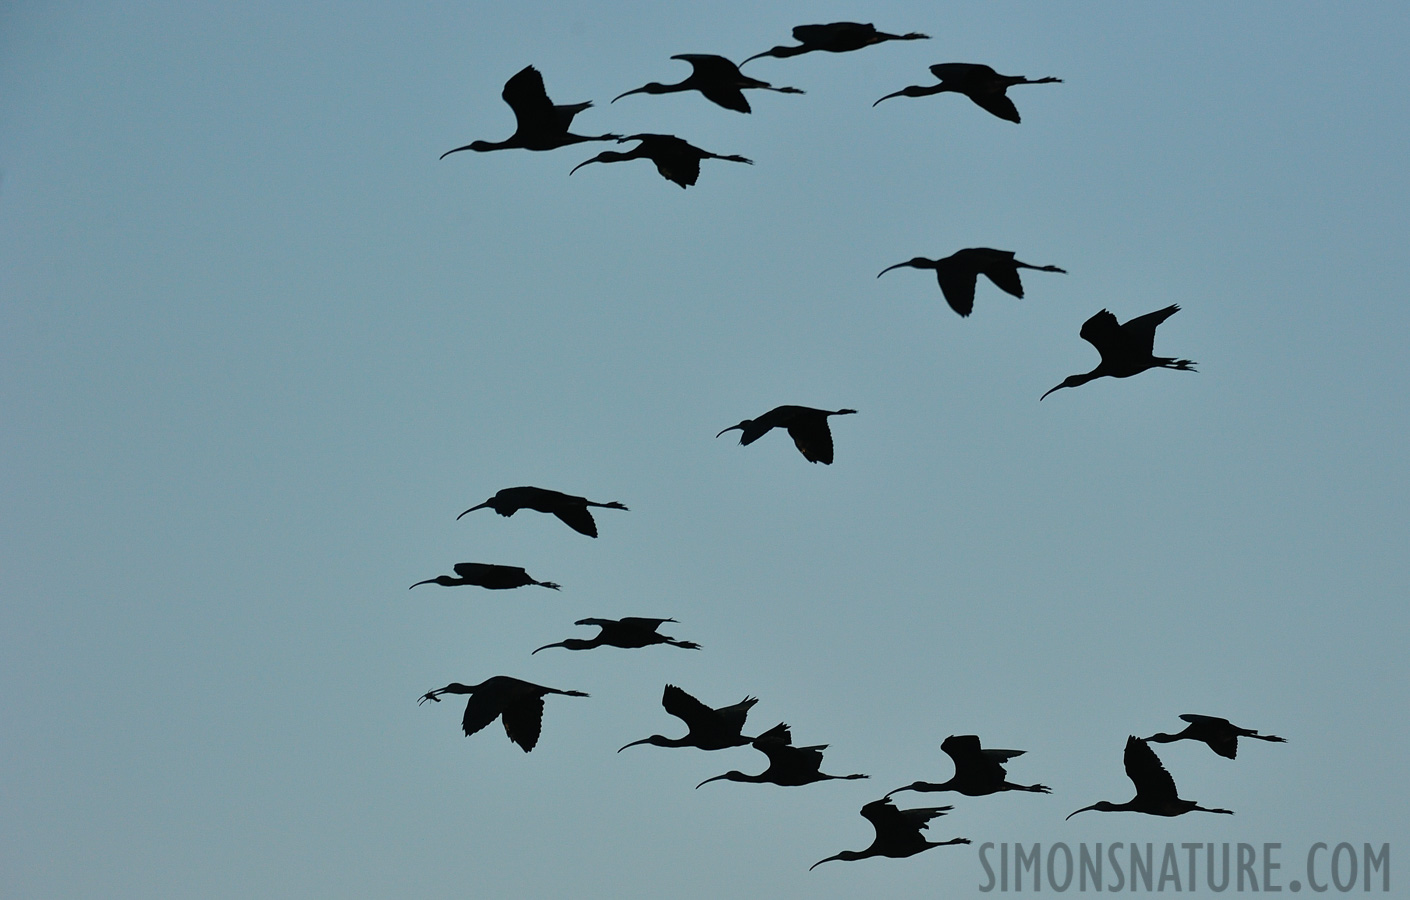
260	347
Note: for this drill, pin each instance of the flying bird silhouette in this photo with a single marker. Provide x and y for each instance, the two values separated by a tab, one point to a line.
1126	349
836	37
977	771
573	511
675	159
958	272
1221	735
789	766
977	82
1155	789
708	729
541	124
487	575
717	78
519	704
898	832
807	426
628	633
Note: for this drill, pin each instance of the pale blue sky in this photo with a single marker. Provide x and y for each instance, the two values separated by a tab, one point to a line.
260	347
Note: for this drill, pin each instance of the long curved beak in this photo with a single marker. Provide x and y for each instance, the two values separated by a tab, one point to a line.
755	56
888	97
731	428
456	150
633	744
546	646
427	581
821	861
889	268
707	781
1083	809
473	508
639	90
581	164
1049	391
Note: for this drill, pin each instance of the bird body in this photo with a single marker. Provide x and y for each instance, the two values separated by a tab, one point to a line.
675	159
807	426
789	766
540	124
518	704
487	575
1221	735
707	728
979	83
1155	789
714	76
572	511
978	771
898	832
836	37
1126	348
628	633
958	273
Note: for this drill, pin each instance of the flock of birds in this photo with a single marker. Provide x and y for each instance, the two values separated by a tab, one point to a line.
1126	349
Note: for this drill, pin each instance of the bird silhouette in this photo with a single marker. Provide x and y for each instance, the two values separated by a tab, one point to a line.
519	704
1221	735
628	633
789	766
807	426
487	575
958	272
977	771
708	729
898	832
1126	349
717	78
573	511
836	37
1155	789
977	82
541	124
675	159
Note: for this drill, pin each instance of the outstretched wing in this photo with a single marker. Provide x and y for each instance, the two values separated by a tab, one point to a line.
525	95
685	707
1103	332
577	518
957	284
996	102
813	438
1153	783
523	720
1140	331
1001	270
480	710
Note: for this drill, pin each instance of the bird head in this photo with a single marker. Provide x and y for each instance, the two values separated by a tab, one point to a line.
487	503
658	740
1099	806
1069	381
917	262
606	156
741	426
731	775
845	855
570	644
443	580
651	87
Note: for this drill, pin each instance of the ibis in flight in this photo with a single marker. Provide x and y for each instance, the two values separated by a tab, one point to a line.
977	82
675	159
1155	789
1126	348
708	729
807	426
977	771
487	575
541	124
789	766
573	511
1221	735
519	704
836	37
958	272
898	832
629	633
717	78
